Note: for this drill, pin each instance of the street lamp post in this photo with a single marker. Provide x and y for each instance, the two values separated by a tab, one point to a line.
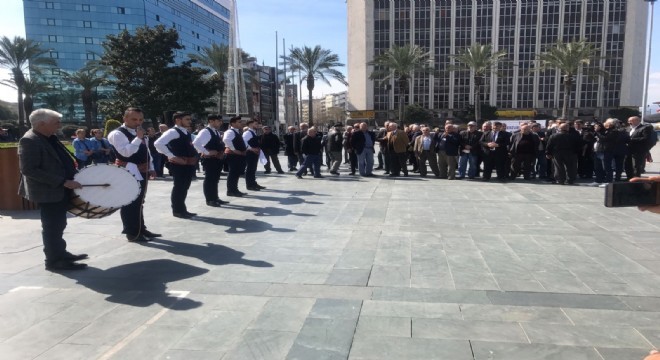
648	62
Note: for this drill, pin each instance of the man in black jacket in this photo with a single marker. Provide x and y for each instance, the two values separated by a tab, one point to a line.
362	143
310	148
562	149
495	144
289	149
638	147
270	145
523	148
470	149
335	138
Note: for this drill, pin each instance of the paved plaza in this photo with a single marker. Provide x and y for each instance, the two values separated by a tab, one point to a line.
345	268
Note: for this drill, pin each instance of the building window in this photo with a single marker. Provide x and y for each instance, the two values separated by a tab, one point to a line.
55	71
91	56
157	17
121	10
87	24
52	38
50	22
89	40
50	5
121	26
85	7
54	55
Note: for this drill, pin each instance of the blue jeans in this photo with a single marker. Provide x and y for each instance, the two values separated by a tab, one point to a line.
313	161
463	163
541	168
366	161
599	170
610	159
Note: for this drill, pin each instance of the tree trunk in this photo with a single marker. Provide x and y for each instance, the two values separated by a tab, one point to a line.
310	87
402	92
28	104
568	80
87	107
21	112
477	105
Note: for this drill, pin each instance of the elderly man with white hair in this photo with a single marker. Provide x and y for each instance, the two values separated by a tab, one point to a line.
47	171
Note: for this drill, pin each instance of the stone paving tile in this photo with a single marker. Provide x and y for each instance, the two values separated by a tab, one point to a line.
476	312
319	291
382	275
283	314
585	301
373	308
37	339
507	351
597	336
384	326
262	345
191	354
381	347
613	317
640	303
652	334
619	354
348	277
468	330
431	295
73	352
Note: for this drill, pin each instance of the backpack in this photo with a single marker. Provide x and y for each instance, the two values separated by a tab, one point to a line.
653	138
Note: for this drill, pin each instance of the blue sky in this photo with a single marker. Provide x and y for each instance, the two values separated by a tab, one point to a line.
300	22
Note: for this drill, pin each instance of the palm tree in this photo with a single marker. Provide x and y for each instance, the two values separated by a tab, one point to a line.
52	100
315	63
569	59
19	55
481	60
216	58
32	88
88	79
401	63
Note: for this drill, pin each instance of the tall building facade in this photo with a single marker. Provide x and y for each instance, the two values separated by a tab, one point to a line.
74	30
523	28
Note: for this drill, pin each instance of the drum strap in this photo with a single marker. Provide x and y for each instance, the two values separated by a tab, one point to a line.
143	168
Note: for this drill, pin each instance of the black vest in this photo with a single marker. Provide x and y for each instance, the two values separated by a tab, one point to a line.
216	141
238	142
254	141
140	157
182	146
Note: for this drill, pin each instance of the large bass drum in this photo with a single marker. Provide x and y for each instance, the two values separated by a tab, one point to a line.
105	189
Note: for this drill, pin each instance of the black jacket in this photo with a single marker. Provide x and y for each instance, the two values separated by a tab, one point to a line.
288	144
563	143
359	138
311	145
270	143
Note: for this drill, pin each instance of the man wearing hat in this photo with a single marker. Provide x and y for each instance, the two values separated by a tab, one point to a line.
335	138
470	148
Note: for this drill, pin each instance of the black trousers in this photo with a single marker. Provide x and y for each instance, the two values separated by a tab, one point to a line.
398	163
236	165
565	165
635	164
522	162
132	215
251	162
495	160
272	158
292	160
352	157
212	169
53	223
183	175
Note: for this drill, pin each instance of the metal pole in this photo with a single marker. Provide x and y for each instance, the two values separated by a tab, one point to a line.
648	63
277	87
286	119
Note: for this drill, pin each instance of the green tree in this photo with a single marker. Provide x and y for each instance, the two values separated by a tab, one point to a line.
400	64
69	100
315	64
416	113
33	88
88	78
481	60
215	58
624	113
191	92
110	125
569	59
20	55
52	100
488	112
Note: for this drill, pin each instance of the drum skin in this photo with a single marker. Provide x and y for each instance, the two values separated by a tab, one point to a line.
105	189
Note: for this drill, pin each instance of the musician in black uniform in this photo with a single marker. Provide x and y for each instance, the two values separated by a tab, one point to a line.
252	155
235	149
130	147
212	150
176	144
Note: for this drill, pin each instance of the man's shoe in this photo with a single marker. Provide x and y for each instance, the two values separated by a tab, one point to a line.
137	238
213	203
334	172
267	172
150	234
280	172
222	202
298	176
253	188
61	265
71	257
319	177
379	168
260	187
180	216
235	193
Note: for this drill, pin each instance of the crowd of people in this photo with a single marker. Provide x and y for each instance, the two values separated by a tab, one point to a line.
561	153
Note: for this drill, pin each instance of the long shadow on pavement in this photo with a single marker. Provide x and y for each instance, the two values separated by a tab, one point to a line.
140	284
241	226
212	254
291	200
264	211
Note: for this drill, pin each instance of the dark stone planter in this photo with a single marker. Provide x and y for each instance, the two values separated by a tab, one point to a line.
9	179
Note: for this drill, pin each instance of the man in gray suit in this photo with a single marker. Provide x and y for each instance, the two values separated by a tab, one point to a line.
47	169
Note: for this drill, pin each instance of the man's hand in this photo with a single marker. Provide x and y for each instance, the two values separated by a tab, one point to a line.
492	145
177	160
70	184
152	174
139	133
651	208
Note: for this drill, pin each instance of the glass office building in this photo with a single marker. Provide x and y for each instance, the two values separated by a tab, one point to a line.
74	30
523	28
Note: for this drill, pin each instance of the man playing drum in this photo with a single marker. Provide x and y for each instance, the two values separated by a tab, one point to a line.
129	145
176	144
47	170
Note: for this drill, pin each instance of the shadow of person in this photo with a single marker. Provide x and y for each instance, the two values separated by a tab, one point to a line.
265	211
212	254
140	284
241	226
290	200
295	192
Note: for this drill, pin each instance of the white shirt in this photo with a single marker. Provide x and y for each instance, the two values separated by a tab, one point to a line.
229	136
247	136
632	129
203	138
169	135
127	149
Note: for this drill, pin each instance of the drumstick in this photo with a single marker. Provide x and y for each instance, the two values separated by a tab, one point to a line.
90	185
